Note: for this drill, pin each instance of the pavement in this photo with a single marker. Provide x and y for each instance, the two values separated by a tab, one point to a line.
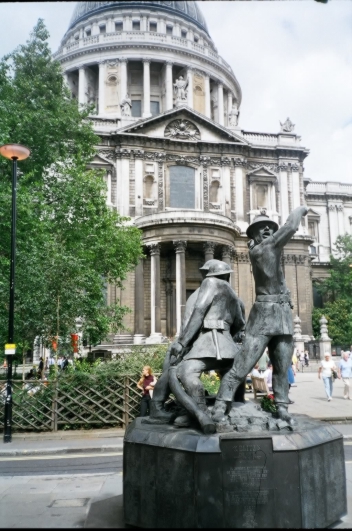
94	500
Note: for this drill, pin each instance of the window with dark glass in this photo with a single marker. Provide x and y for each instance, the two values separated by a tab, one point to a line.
154	108
118	26
152	26
169	30
136	25
102	29
182	187
88	33
184	34
136	108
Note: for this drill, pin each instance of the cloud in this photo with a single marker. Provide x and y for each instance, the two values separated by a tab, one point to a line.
291	59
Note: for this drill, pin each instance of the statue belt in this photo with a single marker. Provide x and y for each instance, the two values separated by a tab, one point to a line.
281	299
216	324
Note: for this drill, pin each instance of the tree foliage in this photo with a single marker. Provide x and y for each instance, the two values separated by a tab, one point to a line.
337	291
69	243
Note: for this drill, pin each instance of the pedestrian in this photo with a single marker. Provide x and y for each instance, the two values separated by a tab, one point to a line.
291	379
301	359
263	362
268	376
51	363
255	371
64	364
327	369
345	372
294	361
306	358
146	384
59	362
40	371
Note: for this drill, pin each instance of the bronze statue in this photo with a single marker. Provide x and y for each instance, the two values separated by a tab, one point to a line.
270	320
162	390
217	317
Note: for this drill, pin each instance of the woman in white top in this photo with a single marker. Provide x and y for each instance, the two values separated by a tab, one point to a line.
326	368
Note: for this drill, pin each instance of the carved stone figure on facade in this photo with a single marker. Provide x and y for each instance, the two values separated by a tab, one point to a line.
234	115
287	126
270	319
180	90
162	390
126	106
206	343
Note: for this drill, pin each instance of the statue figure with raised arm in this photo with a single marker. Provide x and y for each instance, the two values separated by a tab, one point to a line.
270	321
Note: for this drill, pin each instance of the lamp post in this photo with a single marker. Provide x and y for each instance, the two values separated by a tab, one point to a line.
13	152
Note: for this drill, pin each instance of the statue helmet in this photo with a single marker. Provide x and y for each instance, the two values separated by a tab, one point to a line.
261	218
219	269
207	264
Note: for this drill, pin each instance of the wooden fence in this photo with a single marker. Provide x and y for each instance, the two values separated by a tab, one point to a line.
63	404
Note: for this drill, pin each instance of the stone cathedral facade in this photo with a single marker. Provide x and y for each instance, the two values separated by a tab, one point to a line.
178	163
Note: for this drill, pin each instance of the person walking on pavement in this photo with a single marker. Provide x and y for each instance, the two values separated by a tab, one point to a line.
345	372
40	370
301	360
326	369
263	362
306	358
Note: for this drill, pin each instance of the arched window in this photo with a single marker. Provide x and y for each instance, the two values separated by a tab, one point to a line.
182	187
214	192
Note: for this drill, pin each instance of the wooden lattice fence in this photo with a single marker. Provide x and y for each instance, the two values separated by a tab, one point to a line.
60	404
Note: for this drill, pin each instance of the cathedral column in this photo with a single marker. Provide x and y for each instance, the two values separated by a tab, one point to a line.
239	180
220	104
340	219
180	248
123	74
209	248
207	96
146	88
229	106
101	87
190	87
283	179
333	224
169	87
155	319
226	254
139	336
81	85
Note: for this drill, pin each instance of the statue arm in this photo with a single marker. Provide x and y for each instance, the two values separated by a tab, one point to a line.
285	233
204	300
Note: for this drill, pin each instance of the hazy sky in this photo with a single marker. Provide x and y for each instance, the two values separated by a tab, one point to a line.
291	58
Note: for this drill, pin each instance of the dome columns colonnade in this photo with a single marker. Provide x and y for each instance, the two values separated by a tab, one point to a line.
85	95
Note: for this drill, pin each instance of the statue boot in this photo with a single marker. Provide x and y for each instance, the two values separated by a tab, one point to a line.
183	421
159	414
283	414
218	413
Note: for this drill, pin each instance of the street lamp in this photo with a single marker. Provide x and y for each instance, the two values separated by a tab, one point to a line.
13	152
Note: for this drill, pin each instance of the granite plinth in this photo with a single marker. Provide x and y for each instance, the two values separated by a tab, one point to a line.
180	478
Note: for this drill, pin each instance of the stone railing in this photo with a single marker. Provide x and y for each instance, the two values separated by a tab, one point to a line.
141	36
329	187
261	138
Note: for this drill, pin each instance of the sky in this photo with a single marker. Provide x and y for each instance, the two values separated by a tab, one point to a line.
292	59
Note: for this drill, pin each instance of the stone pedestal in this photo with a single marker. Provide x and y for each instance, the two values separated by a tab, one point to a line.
180	478
325	341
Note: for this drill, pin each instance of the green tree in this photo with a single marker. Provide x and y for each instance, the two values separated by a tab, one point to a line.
69	243
337	292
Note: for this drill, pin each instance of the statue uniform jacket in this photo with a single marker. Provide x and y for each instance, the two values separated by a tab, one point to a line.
271	314
217	308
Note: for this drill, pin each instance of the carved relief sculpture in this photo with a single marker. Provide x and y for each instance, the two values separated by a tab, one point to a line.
233	116
182	130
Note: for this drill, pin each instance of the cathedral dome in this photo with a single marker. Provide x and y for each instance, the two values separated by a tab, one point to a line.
189	10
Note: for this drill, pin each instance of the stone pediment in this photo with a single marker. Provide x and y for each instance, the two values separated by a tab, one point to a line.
262	173
183	124
313	213
101	159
